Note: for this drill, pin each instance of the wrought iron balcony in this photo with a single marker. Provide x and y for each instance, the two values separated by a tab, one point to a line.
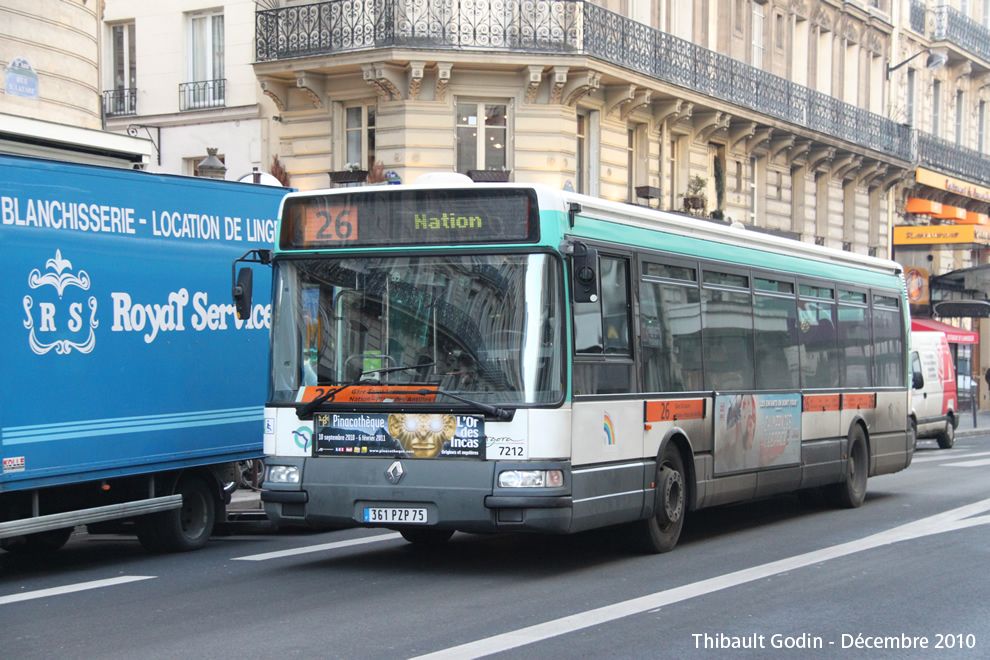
948	157
120	102
202	94
952	25
571	27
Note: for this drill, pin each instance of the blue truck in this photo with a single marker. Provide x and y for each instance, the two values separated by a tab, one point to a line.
130	388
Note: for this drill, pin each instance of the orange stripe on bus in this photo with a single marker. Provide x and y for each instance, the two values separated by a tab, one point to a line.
859	401
821	403
675	410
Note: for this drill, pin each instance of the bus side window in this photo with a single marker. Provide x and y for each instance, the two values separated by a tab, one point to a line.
602	329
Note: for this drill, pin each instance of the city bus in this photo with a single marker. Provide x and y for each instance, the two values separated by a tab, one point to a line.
450	356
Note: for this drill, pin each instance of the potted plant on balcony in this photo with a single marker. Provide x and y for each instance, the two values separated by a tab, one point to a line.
718	173
695	199
490	175
352	173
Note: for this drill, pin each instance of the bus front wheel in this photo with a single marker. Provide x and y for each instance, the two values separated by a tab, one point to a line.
660	532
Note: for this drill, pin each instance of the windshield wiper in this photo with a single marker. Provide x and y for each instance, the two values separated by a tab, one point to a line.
501	414
306	410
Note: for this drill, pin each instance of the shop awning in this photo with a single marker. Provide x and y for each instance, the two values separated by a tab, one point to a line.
954	213
923	206
974	218
952	333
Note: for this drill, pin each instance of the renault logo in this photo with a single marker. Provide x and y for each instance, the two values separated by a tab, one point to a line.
394	472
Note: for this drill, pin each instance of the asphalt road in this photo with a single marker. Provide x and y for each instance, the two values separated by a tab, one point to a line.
900	577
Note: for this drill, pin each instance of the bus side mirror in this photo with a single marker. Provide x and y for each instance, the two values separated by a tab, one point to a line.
585	266
242	293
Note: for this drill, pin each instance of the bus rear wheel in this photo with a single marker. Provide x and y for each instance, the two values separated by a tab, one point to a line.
660	532
851	491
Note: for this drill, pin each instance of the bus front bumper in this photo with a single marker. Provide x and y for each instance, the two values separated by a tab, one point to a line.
454	494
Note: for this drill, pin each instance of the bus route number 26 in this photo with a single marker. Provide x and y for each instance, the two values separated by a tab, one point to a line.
336	223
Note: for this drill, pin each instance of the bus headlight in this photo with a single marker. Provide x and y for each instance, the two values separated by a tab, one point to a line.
531	479
283	474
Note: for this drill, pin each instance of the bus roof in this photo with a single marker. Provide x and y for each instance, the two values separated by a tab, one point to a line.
595	210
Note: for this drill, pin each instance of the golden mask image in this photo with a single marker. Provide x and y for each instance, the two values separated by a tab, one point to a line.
422	435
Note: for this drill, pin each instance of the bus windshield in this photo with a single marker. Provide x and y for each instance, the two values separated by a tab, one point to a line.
488	327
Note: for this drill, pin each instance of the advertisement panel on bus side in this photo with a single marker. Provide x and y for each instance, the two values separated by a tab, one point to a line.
756	431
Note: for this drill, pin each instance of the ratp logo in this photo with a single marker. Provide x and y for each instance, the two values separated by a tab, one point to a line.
59	276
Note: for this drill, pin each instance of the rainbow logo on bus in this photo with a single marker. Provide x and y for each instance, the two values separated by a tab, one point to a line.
609	437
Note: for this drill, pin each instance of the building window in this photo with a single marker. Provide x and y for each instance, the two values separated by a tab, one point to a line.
981	128
482	134
757	35
121	98
937	108
206	62
671	173
912	86
630	165
779	32
823	74
581	167
360	132
753	206
959	117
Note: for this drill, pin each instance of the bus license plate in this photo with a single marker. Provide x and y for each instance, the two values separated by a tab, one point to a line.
386	514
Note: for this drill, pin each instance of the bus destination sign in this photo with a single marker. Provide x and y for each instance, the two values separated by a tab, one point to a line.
409	217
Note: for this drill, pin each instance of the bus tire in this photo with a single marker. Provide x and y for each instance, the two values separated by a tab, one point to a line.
660	532
851	491
947	438
39	543
187	528
427	537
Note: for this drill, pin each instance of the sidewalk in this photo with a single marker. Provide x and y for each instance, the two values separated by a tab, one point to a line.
966	426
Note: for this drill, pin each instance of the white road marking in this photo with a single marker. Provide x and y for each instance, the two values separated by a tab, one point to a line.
943	522
977	463
70	588
941	455
319	548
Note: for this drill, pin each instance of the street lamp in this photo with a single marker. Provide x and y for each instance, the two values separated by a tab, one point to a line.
936	60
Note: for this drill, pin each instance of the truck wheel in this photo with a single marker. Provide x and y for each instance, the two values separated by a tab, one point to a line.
427	537
187	528
850	493
660	532
947	438
40	543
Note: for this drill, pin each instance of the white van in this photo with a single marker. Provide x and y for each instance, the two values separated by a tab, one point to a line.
934	404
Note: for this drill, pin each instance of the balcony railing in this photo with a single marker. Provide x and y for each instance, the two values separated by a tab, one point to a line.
950	24
951	158
202	94
571	27
120	102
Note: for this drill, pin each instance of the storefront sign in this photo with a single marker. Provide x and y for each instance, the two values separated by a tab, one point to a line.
941	234
947	183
